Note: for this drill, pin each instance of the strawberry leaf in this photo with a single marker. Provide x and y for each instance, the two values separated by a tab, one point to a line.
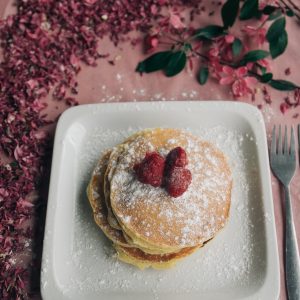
155	62
278	46
276	14
266	77
276	29
229	12
237	47
176	63
290	13
283	85
210	32
253	56
249	9
203	75
269	9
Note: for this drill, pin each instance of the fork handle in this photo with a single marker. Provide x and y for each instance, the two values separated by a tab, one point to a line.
292	266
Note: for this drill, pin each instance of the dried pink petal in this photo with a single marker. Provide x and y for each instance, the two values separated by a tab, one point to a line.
241	72
228	70
175	21
226	80
240	88
90	2
284	107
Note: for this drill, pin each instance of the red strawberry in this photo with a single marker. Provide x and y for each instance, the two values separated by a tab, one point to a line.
177	157
178	181
151	169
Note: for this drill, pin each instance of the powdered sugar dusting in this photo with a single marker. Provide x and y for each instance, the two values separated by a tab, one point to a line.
235	258
201	210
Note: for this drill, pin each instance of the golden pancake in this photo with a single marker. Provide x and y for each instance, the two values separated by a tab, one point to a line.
113	160
152	218
134	256
138	258
113	222
95	195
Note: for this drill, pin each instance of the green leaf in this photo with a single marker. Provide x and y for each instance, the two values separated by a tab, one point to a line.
249	9
203	75
253	56
176	63
210	32
229	12
276	14
258	14
269	9
283	85
276	29
263	69
278	46
266	77
155	62
187	47
290	13
237	47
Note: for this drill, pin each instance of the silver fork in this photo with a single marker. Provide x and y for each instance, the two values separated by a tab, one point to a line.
283	164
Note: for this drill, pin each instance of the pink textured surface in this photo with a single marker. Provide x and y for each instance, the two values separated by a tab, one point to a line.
107	83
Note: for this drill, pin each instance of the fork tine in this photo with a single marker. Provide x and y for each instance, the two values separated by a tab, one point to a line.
292	151
279	148
285	143
273	141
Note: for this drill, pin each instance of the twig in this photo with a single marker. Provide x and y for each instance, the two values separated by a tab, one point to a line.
286	6
222	62
174	40
166	43
294	5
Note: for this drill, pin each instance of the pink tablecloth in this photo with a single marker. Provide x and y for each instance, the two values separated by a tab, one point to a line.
107	83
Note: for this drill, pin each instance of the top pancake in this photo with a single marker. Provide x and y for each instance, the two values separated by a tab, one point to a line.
148	215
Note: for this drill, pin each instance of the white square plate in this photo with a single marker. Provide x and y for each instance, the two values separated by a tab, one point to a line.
240	263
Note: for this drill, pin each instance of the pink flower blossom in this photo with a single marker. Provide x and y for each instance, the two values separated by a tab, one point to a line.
224	45
229	38
213	53
215	68
238	79
264	63
151	43
258	34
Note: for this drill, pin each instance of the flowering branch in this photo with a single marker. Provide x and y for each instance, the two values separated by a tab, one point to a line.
226	57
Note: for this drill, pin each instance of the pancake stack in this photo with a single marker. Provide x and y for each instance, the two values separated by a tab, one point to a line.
147	226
